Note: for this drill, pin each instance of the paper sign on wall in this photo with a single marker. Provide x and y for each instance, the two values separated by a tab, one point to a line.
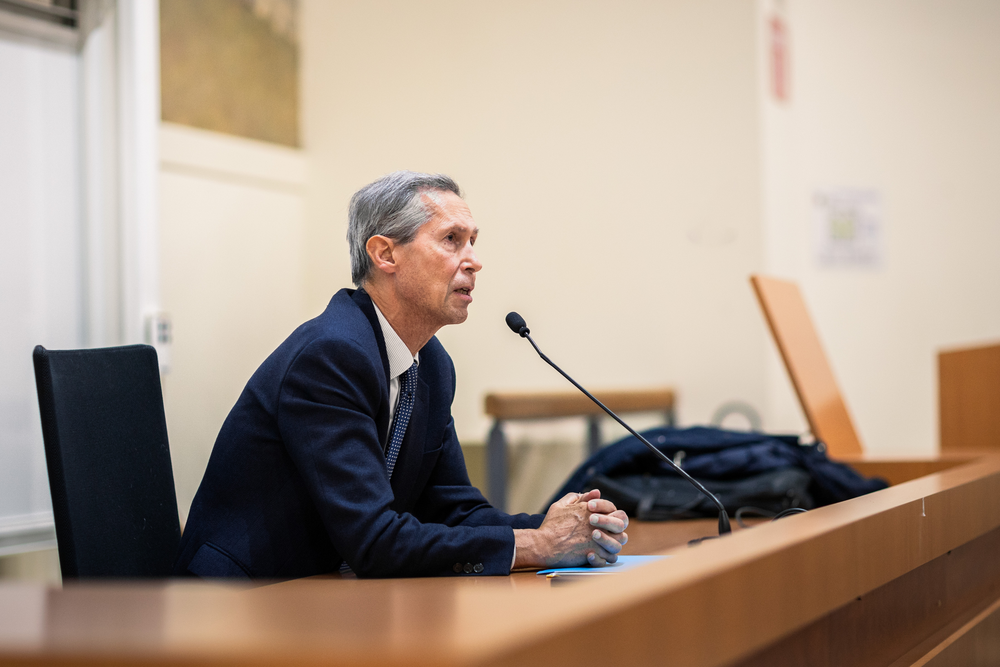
847	227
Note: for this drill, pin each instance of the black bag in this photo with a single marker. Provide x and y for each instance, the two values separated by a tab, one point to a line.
746	469
670	497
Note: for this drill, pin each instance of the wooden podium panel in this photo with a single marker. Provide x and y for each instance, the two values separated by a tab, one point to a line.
969	398
807	365
907	574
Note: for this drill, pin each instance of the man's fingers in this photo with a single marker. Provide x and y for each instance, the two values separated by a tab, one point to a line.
605	541
601	506
621	515
572	498
608	522
600	557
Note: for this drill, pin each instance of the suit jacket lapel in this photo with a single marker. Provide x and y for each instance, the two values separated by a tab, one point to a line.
368	308
364	302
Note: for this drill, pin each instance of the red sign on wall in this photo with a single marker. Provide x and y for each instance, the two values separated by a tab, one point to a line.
779	59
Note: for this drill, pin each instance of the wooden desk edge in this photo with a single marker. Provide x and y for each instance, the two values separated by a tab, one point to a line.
897	470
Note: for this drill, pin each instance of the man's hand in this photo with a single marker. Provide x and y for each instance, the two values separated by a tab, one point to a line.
578	529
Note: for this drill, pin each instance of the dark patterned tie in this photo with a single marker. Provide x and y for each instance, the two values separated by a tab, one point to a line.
407	394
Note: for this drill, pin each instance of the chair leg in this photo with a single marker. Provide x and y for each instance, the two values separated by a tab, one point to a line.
670	418
496	467
593	434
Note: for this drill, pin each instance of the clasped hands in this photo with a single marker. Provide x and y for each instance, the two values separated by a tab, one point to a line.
578	529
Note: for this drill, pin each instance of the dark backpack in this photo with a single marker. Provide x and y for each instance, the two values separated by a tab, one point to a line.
745	469
670	497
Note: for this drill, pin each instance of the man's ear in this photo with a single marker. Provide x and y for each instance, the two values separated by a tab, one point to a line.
380	251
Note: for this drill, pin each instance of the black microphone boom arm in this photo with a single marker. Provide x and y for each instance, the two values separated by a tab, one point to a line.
518	326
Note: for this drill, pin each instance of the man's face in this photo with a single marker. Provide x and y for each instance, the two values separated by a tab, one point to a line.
436	271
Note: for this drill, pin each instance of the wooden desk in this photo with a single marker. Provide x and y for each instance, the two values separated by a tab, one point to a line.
909	575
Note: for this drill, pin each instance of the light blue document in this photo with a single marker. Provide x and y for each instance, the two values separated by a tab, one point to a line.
623	563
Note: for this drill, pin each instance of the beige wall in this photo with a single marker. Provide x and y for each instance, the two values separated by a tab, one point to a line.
231	241
901	97
610	156
628	172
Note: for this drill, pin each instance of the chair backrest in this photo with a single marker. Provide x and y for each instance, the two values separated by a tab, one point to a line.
807	365
969	395
110	476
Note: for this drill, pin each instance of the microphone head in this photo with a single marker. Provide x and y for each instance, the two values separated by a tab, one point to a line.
517	324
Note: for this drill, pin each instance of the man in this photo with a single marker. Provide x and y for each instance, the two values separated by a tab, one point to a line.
342	448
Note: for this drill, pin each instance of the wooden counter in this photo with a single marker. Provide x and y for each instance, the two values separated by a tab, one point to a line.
908	575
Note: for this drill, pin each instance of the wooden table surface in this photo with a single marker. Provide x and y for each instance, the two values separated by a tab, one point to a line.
323	620
719	603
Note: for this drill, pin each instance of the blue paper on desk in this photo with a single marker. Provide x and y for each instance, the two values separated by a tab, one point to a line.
623	563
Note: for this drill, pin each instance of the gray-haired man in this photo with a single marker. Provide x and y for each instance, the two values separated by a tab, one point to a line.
342	448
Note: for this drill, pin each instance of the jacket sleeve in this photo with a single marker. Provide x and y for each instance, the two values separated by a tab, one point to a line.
326	415
450	498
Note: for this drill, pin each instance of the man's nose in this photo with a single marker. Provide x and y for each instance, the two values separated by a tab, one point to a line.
471	261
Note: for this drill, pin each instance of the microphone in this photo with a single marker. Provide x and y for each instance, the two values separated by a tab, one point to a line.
518	326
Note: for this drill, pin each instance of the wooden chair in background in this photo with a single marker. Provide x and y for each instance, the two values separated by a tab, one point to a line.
807	365
522	406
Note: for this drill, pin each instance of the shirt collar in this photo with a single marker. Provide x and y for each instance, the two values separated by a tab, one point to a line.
399	355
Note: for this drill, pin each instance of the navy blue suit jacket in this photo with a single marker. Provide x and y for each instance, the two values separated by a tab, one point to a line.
297	482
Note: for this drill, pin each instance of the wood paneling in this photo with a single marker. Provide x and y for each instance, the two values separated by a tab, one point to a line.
969	396
901	622
975	644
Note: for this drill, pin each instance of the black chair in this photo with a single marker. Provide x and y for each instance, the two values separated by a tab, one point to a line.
109	467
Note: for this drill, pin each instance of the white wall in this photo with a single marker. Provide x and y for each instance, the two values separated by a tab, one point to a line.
231	240
77	258
40	259
901	97
609	153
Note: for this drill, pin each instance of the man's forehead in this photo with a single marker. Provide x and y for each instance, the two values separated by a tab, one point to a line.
434	197
440	199
447	208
